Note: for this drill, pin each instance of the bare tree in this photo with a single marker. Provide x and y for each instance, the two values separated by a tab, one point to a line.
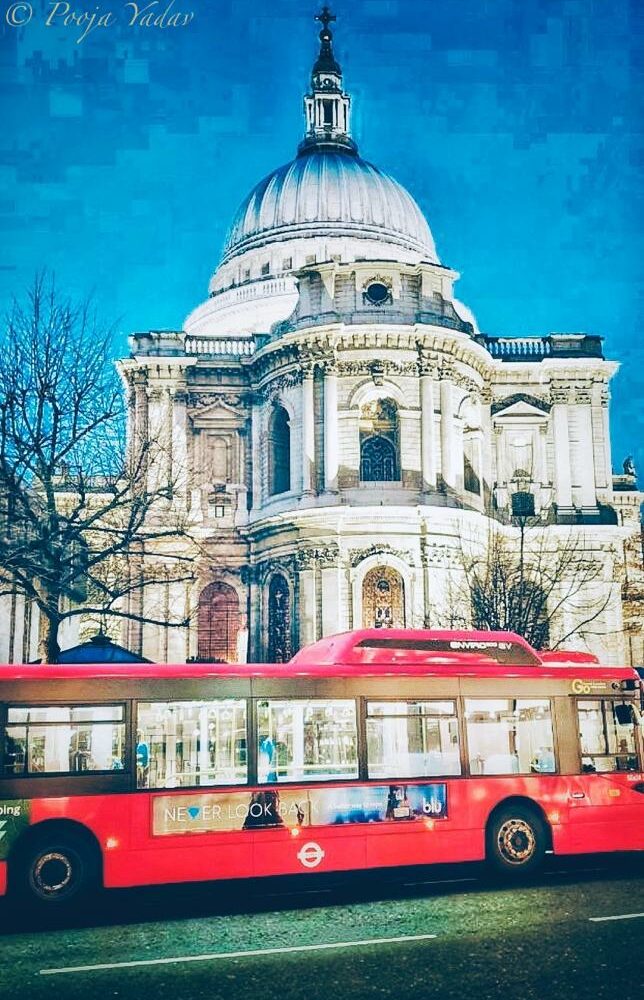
542	582
78	515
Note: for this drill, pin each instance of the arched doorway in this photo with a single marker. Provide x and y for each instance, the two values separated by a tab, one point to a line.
383	599
279	621
218	623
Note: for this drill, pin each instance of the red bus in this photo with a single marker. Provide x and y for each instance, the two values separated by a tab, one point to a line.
372	748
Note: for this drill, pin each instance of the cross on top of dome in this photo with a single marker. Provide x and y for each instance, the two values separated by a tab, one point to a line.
326	17
326	62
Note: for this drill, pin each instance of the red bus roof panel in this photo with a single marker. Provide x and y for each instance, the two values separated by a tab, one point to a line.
376	646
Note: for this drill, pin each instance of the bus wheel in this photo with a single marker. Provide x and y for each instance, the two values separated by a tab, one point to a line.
516	841
56	869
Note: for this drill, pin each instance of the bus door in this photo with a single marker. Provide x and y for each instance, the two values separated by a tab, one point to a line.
606	807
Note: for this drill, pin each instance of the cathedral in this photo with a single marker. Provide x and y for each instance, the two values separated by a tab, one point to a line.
339	425
344	424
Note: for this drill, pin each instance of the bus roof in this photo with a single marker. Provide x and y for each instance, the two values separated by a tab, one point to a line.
366	652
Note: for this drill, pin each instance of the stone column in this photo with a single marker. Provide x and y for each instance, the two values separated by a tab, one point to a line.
257	652
330	588
448	437
256	417
585	460
498	451
308	609
179	441
130	394
487	443
168	435
541	459
308	431
563	489
543	496
330	584
427	448
156	427
330	429
605	399
141	419
601	442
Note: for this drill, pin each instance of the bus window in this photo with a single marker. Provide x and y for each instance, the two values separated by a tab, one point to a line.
407	739
509	736
59	739
306	740
187	743
607	735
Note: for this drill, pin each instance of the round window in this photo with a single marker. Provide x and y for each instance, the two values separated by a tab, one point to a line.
377	293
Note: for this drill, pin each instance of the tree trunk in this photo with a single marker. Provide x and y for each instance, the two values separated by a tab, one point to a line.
48	648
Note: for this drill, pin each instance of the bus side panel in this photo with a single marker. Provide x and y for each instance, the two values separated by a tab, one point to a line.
187	857
457	837
323	848
106	816
423	844
605	813
184	862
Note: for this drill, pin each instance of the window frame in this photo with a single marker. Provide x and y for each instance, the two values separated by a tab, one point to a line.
378	439
280	459
552	700
126	721
457	715
637	752
251	750
358	778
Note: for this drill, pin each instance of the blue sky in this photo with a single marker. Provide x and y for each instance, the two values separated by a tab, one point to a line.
514	123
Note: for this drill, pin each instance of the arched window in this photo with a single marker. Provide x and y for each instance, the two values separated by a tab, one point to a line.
279	621
279	451
218	624
379	460
383	599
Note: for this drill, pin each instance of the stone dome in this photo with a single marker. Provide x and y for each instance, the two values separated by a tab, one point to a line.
329	191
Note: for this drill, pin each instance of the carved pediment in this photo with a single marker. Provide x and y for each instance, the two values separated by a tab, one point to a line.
520	406
219	413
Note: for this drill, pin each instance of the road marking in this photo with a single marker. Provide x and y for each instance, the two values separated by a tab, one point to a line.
236	954
620	916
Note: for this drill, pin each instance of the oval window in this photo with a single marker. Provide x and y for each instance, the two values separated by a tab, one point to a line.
377	293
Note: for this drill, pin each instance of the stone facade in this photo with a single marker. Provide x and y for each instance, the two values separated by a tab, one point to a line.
471	429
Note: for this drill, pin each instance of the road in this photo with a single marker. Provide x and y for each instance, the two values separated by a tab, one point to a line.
424	933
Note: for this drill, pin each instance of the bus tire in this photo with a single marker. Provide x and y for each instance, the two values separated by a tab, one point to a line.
516	841
55	869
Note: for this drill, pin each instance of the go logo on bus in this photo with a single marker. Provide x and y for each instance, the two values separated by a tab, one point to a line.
580	686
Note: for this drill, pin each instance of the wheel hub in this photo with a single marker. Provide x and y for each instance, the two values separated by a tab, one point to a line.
516	841
52	873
